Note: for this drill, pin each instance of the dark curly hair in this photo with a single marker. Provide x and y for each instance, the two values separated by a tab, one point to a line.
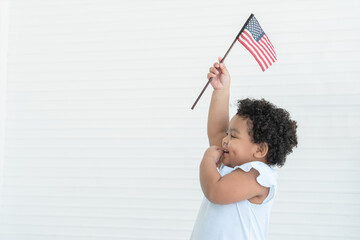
269	124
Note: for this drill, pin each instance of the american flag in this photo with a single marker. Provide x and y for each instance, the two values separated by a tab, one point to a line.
258	44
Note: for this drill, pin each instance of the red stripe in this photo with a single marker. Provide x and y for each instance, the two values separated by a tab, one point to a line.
254	55
266	48
258	47
270	46
255	47
269	42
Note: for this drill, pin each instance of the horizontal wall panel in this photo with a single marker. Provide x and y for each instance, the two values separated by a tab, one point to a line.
100	141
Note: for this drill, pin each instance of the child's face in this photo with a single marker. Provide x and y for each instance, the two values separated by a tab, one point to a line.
239	147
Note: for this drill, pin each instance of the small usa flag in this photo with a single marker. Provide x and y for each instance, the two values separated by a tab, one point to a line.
254	39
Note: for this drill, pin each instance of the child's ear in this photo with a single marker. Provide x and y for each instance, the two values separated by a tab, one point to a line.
262	150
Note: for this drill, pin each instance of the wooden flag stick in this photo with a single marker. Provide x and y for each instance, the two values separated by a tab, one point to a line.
227	52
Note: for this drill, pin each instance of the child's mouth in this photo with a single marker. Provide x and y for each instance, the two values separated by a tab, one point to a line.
225	151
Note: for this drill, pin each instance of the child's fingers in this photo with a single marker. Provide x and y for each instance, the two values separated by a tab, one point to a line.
220	64
213	70
210	75
221	149
218	149
223	68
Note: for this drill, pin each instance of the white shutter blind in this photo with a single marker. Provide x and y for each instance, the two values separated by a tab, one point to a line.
100	140
4	24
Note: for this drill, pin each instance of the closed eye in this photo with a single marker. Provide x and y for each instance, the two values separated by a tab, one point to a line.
232	136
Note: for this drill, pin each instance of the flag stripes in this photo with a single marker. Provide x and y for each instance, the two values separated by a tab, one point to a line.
262	51
269	45
254	39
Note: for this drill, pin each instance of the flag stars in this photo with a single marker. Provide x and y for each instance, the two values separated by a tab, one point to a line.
255	29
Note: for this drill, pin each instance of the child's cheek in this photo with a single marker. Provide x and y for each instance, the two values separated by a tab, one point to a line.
232	149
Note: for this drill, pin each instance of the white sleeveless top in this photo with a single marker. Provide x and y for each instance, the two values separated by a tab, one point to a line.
241	220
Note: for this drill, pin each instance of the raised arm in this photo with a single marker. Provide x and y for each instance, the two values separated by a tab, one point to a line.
218	118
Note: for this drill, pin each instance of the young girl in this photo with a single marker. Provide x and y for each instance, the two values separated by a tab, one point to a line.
239	196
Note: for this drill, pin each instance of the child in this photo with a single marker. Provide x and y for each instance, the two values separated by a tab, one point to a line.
239	196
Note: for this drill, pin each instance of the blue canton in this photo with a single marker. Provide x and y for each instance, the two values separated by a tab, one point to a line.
254	28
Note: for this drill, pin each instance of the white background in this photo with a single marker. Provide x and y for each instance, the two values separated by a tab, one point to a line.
97	137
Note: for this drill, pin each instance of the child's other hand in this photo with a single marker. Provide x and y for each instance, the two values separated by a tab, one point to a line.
214	153
220	76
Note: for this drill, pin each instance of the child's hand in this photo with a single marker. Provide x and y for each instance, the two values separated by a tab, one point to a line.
214	153
220	76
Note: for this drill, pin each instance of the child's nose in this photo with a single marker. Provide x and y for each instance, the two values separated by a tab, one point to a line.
224	142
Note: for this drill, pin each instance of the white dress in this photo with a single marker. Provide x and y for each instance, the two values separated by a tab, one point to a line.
241	220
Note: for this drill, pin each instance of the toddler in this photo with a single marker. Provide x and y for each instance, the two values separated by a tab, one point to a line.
236	173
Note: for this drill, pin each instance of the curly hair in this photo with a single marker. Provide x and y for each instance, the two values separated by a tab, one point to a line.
269	124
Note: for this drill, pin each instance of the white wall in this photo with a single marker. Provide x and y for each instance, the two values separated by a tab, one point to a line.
100	139
4	15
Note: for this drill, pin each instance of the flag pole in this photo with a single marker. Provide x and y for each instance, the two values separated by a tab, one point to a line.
227	52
